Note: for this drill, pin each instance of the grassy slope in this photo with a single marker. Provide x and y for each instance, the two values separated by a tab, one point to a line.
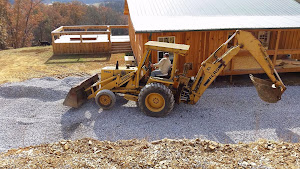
35	62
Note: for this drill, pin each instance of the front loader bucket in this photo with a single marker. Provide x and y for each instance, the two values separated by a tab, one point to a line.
266	90
77	96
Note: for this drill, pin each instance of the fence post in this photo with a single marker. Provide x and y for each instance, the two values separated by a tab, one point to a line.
53	39
109	37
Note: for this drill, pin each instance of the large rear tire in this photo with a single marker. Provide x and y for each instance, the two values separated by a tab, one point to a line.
156	100
105	99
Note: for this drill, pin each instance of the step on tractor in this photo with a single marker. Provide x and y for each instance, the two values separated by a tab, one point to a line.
156	96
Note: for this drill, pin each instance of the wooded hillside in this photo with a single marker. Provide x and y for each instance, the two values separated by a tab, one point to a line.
25	22
83	1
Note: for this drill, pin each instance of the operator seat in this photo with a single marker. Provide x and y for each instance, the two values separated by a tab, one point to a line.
167	76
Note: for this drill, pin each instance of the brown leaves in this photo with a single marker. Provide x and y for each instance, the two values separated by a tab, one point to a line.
27	21
24	17
166	153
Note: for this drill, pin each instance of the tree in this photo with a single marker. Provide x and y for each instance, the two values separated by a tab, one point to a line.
71	13
92	16
28	21
4	5
77	10
25	16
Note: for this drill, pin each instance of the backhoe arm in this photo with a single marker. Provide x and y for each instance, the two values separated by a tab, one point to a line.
248	42
214	65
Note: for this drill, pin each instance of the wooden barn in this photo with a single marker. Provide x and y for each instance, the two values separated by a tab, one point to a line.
206	24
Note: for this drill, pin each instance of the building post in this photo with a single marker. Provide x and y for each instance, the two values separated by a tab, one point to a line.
276	47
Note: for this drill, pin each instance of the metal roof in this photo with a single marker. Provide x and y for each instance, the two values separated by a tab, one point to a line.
192	15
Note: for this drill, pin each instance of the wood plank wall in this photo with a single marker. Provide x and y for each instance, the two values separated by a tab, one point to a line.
203	43
290	40
80	48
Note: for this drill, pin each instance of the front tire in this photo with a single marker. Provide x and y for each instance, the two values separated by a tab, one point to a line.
156	100
105	99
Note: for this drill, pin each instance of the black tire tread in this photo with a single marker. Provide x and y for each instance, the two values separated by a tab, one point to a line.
158	88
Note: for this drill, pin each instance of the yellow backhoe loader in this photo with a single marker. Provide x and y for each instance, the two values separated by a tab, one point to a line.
156	95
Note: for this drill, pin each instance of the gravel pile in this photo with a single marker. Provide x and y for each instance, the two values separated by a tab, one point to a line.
166	153
32	113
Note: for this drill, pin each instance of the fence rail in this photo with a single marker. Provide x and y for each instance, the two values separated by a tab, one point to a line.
85	31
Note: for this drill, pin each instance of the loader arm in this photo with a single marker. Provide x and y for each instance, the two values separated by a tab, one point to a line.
112	82
214	65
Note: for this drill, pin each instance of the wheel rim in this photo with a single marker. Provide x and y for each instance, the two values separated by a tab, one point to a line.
155	102
104	100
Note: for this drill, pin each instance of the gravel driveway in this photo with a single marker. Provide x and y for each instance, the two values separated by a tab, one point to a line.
32	113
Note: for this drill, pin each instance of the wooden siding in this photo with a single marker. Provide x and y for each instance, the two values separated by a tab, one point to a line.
204	43
80	48
290	40
126	10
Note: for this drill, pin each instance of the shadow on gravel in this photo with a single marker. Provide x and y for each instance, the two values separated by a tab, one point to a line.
78	58
43	94
72	119
242	117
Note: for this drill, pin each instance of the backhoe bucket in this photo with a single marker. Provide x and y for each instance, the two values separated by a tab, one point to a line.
266	90
77	96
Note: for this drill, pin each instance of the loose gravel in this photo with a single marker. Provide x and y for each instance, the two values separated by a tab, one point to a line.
32	113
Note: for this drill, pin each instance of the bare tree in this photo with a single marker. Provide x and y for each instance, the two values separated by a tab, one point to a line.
29	27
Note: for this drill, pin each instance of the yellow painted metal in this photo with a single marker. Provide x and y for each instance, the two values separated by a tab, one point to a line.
250	43
142	62
105	100
108	72
131	97
116	82
160	80
143	72
175	62
167	47
113	79
155	102
213	65
124	90
128	80
101	82
211	70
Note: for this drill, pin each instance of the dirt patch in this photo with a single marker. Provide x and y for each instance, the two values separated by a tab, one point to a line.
36	51
166	153
36	62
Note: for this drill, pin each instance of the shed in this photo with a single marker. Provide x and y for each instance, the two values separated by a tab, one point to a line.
206	24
